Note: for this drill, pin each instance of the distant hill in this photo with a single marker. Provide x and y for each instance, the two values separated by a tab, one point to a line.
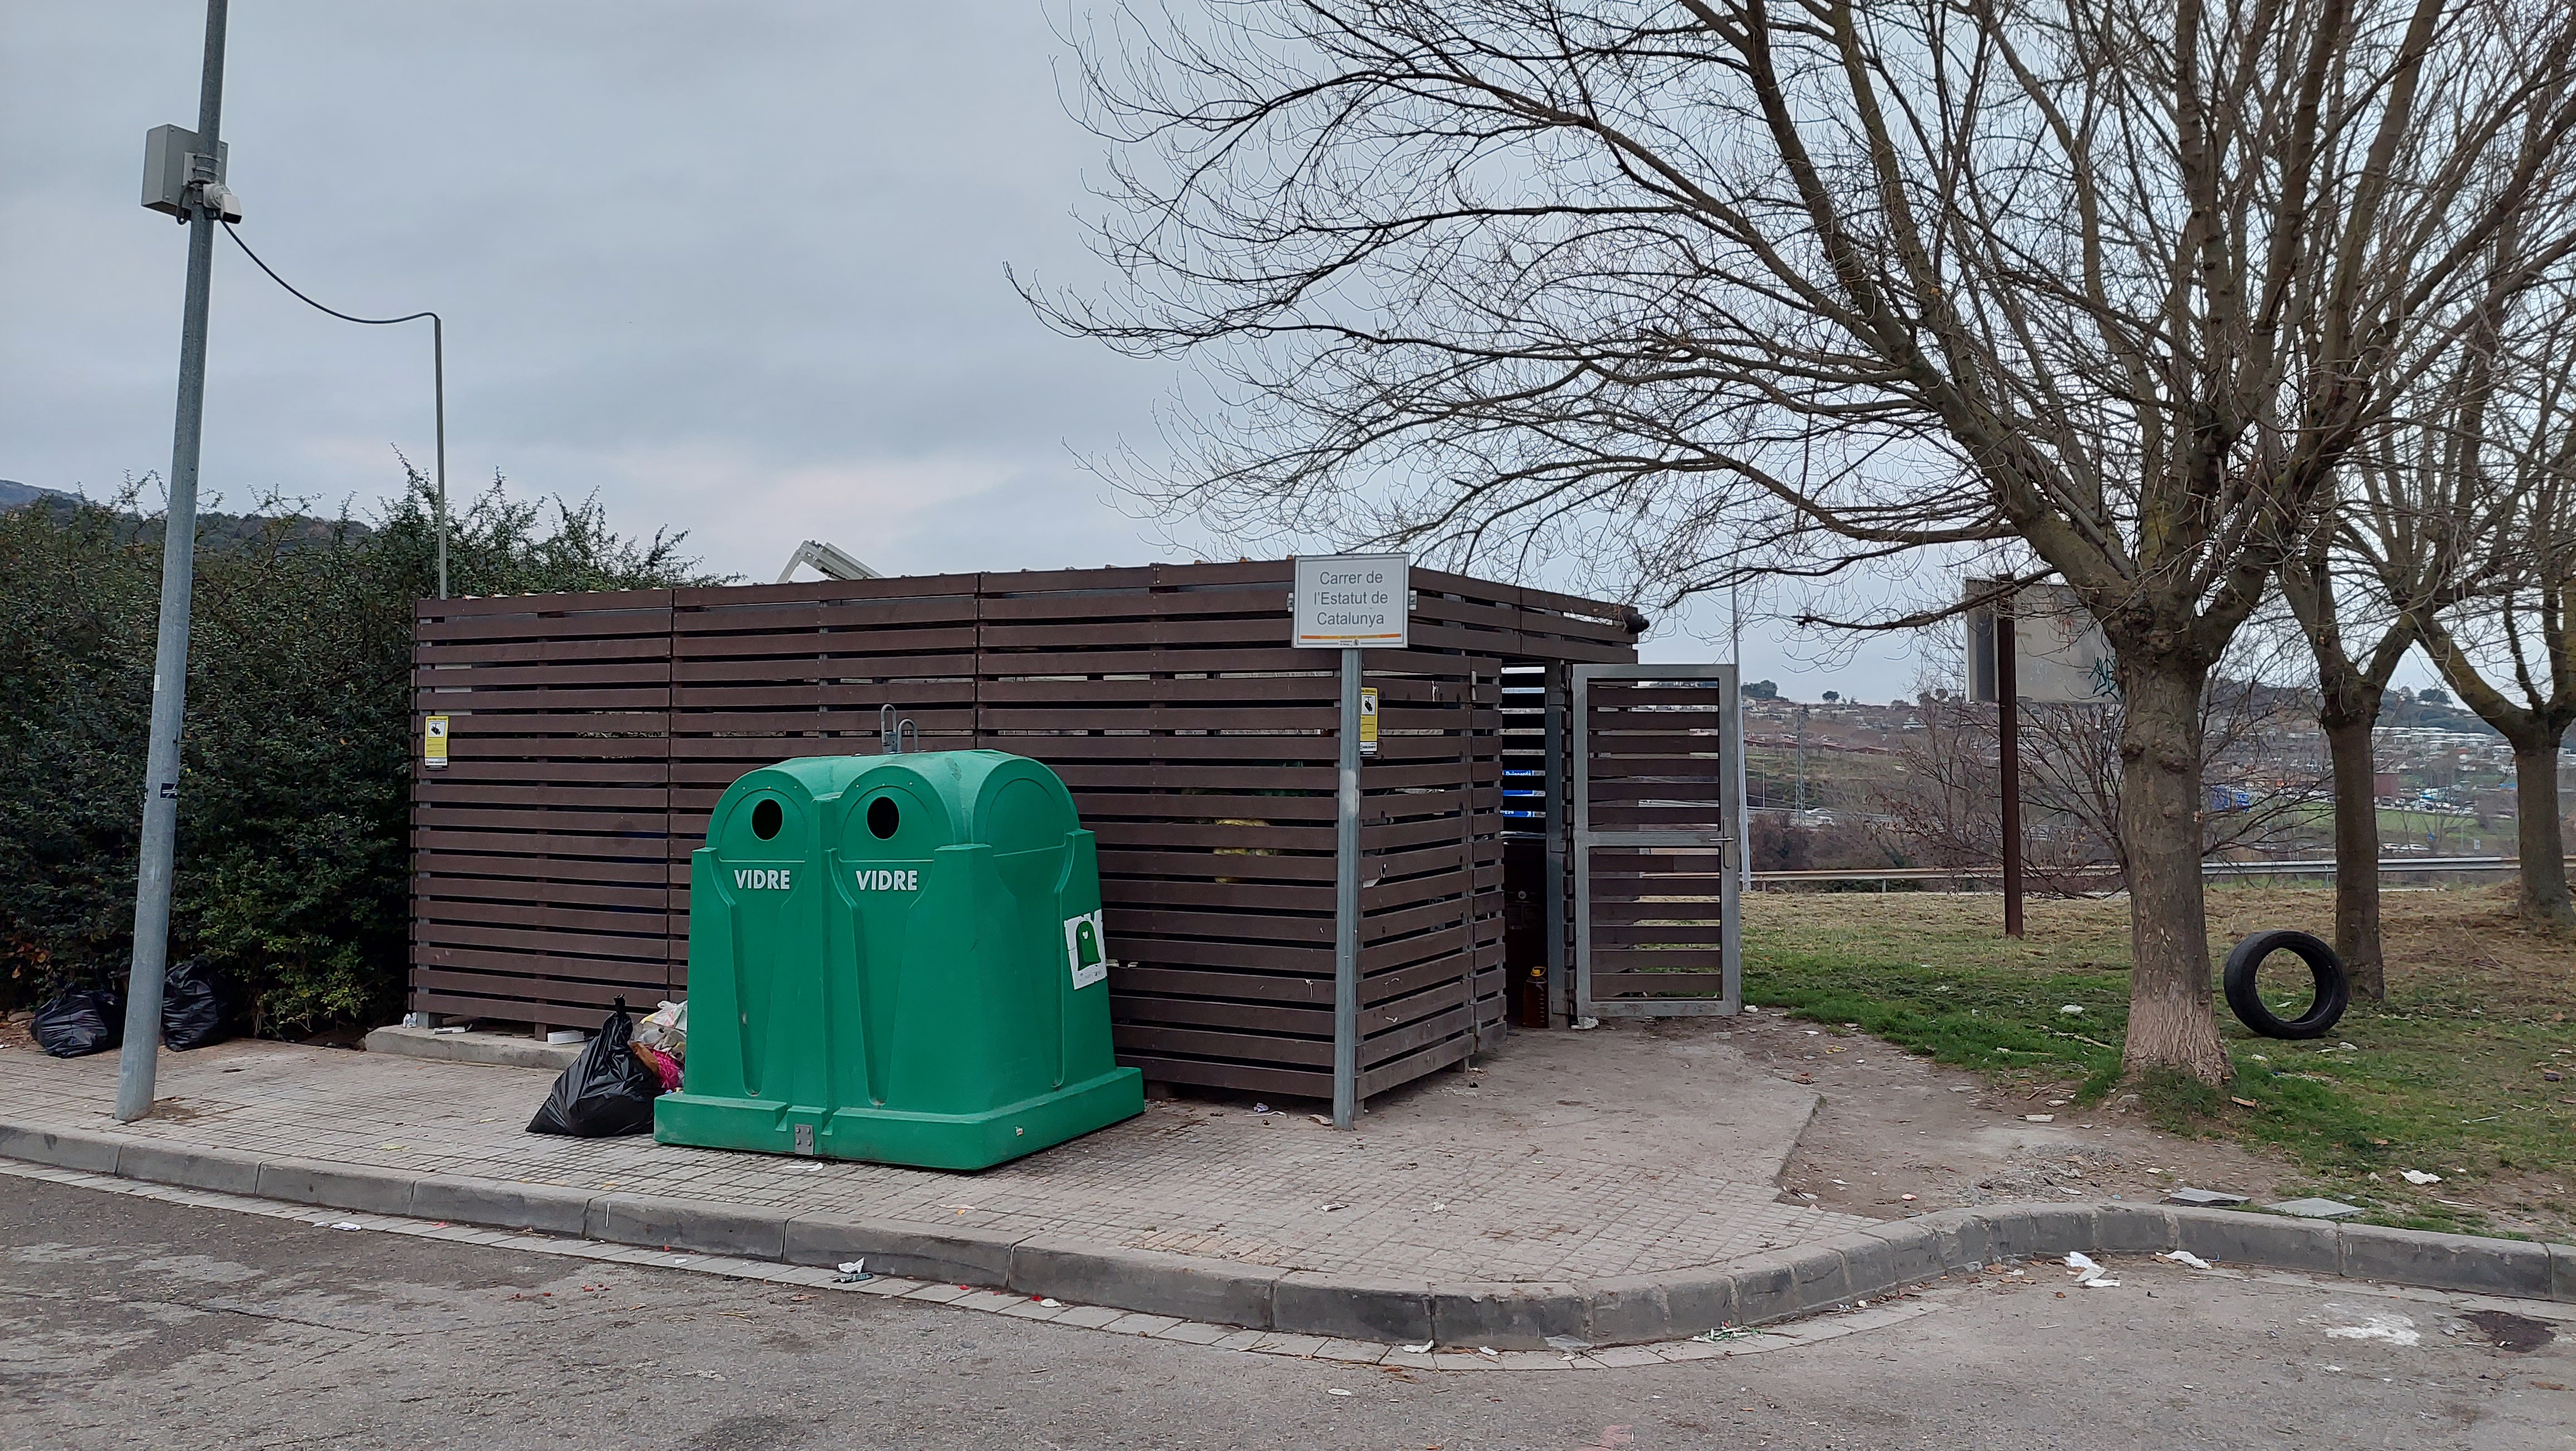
13	494
215	530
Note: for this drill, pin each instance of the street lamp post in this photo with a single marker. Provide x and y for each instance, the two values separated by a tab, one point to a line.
205	203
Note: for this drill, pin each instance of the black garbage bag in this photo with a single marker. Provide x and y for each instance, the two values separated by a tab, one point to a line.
82	1021
607	1091
192	1013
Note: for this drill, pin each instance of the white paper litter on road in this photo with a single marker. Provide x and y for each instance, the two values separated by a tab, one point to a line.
2088	1273
348	1224
1423	1349
2395	1329
2185	1257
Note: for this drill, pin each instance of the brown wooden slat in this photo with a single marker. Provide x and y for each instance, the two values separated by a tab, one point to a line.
1265	1047
1237	1077
1606	939
450	891
1607	985
1624	959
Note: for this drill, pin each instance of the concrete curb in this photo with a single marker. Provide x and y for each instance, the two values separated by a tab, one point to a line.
1629	1310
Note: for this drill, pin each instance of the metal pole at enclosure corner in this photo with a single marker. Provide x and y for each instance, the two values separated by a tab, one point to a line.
1346	905
136	1066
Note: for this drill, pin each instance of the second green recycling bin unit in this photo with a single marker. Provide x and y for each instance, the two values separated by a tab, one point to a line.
897	958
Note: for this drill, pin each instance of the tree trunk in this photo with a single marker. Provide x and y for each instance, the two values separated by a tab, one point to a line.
2356	851
2171	1024
2543	843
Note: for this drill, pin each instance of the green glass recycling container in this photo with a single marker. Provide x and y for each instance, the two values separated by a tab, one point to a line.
899	959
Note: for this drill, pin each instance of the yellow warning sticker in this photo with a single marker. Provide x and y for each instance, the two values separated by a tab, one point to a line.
433	741
1368	720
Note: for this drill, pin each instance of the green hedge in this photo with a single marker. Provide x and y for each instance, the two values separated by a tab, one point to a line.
296	758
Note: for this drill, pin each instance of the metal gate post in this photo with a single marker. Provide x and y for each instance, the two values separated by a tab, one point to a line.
1735	858
1578	762
1560	886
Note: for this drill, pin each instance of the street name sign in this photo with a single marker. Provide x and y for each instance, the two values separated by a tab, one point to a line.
1352	602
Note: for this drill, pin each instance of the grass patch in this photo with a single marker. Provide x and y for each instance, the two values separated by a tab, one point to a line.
2447	1076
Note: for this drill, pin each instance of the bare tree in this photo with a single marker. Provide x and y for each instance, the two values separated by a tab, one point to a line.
2350	690
1697	289
2509	442
2071	783
2412	533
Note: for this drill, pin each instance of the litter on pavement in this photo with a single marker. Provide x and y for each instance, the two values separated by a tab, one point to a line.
606	1091
2203	1198
2088	1273
2317	1208
2185	1257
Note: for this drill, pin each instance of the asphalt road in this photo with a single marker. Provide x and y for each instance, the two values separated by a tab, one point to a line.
130	1322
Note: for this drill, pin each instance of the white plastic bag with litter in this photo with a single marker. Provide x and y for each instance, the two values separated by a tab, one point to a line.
666	1030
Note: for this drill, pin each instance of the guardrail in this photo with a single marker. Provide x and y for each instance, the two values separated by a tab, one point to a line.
2388	866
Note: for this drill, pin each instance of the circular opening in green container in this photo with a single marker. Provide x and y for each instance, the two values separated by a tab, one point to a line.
765	819
883	817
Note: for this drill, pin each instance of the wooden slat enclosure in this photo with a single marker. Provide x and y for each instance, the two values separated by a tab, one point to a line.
591	735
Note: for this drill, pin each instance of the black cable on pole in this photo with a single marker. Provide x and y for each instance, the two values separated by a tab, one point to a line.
438	365
309	302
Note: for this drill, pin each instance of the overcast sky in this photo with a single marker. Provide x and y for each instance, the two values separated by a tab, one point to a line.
738	269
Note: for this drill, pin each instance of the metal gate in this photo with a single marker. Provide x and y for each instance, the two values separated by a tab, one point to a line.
1658	845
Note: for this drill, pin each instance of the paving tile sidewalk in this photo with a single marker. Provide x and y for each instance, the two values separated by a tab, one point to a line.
1565	1158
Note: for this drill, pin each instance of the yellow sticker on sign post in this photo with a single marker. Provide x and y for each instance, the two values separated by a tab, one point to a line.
1368	720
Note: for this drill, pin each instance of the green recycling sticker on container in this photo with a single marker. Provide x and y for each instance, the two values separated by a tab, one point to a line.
901	959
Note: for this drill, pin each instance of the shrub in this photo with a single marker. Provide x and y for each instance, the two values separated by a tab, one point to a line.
296	761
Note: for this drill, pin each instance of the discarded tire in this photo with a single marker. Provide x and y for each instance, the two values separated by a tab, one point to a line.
2334	989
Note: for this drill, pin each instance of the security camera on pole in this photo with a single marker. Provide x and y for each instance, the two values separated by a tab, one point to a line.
1349	602
183	175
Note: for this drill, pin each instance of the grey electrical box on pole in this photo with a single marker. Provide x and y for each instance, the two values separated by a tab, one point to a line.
1346	602
170	157
202	201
